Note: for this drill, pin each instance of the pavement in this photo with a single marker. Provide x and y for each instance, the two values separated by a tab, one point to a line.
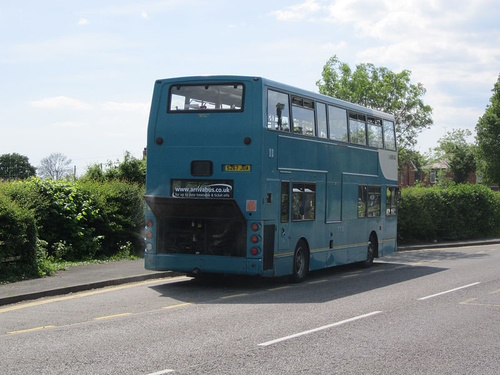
79	278
94	276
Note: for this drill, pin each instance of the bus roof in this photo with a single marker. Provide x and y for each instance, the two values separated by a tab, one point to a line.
281	86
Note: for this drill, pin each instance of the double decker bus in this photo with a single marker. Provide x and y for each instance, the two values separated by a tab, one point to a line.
250	176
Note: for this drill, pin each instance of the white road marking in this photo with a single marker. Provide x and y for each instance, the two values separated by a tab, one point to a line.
319	329
161	372
448	291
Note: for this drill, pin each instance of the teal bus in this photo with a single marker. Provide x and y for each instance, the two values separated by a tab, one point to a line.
250	176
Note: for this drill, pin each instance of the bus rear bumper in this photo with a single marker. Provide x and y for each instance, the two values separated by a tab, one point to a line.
187	263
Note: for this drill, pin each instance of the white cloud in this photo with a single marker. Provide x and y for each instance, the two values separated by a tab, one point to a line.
298	12
60	102
65	102
76	48
449	49
147	8
126	107
83	22
69	124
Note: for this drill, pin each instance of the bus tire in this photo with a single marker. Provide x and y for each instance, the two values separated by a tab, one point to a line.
370	254
300	262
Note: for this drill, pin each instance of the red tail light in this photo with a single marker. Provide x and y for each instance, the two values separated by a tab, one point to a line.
254	251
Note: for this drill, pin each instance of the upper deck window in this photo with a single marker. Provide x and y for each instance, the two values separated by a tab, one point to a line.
357	128
374	127
303	116
278	111
337	122
389	135
209	97
321	116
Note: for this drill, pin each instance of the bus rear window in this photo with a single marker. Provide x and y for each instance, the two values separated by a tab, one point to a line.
214	97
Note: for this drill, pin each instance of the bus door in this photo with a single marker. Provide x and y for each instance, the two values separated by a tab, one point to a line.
298	206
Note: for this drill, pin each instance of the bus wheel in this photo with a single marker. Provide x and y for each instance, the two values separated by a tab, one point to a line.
300	262
370	254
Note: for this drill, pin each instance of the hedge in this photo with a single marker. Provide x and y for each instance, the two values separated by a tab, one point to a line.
122	215
17	231
18	256
81	221
458	212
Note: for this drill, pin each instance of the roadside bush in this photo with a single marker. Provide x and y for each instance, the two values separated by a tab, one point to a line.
66	218
17	240
82	220
122	213
457	212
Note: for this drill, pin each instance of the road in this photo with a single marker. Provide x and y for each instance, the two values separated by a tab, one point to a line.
416	312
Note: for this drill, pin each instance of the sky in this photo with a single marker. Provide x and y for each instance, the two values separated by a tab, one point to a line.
77	77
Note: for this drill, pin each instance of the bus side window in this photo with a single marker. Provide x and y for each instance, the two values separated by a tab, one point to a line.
303	201
391	202
369	204
285	202
321	115
278	111
375	138
303	120
373	207
357	128
389	135
337	123
303	116
362	200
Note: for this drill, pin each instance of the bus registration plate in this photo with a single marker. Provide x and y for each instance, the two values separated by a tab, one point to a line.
237	167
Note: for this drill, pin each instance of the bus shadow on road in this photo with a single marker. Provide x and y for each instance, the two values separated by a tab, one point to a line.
321	286
432	255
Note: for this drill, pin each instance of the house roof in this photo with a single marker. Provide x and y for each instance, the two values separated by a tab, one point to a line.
440	164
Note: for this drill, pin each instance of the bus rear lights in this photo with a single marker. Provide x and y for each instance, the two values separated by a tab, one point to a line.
254	251
149	223
149	247
247	140
159	141
254	238
255	227
149	235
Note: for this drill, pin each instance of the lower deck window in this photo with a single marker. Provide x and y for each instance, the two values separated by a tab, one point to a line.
391	201
303	201
369	201
285	202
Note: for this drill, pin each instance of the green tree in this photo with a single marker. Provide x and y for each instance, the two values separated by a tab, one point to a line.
383	90
459	154
130	169
94	173
488	137
15	166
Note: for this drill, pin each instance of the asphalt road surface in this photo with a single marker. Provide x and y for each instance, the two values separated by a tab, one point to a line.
416	312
